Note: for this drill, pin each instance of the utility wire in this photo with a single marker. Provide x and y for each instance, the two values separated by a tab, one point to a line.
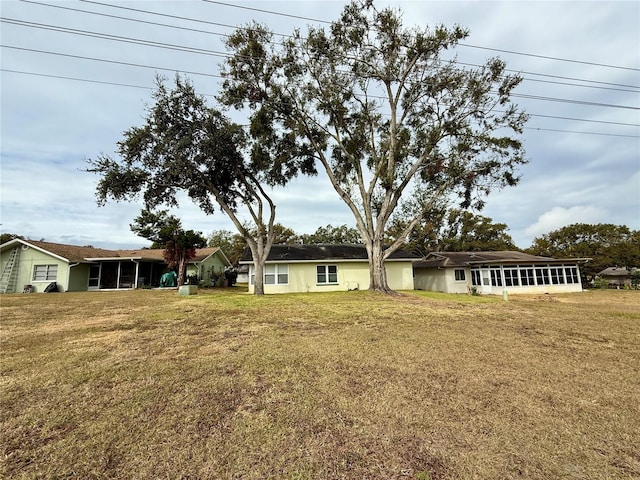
115	62
268	11
461	44
212	95
247	28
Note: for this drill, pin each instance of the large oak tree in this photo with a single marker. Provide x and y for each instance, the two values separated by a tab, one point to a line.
389	114
186	146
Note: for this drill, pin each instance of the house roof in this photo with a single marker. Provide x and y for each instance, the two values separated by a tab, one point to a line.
465	259
78	254
616	272
324	252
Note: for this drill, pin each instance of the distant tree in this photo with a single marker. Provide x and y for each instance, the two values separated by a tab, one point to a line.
455	230
285	235
388	119
222	239
5	237
331	234
166	232
605	243
186	146
465	231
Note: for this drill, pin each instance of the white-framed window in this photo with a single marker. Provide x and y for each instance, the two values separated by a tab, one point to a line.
475	278
45	273
326	274
276	274
459	274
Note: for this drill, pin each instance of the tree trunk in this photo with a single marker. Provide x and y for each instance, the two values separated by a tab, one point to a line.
258	282
377	272
182	263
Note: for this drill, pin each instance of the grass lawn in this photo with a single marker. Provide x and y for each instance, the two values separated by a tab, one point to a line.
353	385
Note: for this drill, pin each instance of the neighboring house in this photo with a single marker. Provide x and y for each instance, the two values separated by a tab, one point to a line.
496	272
323	268
73	268
617	277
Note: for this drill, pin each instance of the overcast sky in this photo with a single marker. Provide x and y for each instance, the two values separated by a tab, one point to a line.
72	81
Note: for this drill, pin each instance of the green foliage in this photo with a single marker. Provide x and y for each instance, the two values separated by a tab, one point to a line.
606	244
165	231
331	234
381	111
453	231
5	237
186	146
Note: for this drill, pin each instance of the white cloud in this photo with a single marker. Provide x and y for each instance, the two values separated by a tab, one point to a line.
559	217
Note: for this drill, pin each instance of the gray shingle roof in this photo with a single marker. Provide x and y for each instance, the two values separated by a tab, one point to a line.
465	259
324	252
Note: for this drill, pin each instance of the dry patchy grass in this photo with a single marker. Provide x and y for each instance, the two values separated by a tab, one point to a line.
224	385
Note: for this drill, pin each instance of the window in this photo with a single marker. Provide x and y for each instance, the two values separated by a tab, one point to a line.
572	274
475	277
542	275
274	274
557	276
45	273
459	274
527	277
496	277
326	274
511	277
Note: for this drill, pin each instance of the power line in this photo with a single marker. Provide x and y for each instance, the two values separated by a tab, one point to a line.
118	38
115	62
118	17
534	97
550	58
37	74
86	80
268	11
248	28
461	44
582	133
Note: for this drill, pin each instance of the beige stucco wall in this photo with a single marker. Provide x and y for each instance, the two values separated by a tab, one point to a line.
441	280
27	260
351	276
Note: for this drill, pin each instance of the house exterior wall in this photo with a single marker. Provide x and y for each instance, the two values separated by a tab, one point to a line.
27	260
441	280
212	266
302	277
79	278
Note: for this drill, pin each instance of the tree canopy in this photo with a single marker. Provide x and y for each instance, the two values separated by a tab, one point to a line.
389	118
186	146
454	230
605	243
166	232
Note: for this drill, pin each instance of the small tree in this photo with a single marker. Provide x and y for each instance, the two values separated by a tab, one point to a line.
165	231
389	120
186	146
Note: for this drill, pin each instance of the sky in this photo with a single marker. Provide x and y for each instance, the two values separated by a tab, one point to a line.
76	74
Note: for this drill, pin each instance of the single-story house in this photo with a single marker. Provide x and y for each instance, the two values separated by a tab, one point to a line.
326	267
33	265
617	277
496	272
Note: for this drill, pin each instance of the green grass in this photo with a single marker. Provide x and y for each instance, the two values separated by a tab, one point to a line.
148	384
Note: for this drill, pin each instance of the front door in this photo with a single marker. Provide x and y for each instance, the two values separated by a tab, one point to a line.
485	276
